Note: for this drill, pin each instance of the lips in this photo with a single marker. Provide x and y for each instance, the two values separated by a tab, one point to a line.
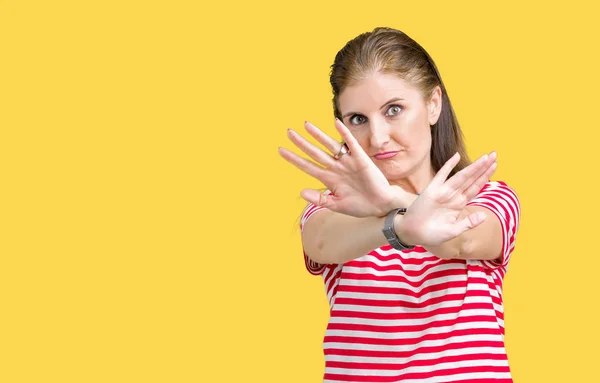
385	155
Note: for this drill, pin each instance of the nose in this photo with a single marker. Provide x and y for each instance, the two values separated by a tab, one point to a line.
380	133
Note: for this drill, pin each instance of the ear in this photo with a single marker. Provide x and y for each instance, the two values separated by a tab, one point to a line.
434	106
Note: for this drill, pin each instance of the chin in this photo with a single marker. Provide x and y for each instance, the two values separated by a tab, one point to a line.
396	170
396	175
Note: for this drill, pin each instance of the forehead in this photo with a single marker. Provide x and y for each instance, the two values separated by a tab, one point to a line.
374	90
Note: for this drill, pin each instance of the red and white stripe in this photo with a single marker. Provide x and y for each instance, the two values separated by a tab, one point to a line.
413	317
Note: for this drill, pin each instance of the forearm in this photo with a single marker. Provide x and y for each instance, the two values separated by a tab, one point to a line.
452	249
343	238
338	238
455	248
481	242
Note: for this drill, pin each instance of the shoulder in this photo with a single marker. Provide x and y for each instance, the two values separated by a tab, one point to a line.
497	199
502	200
498	193
498	187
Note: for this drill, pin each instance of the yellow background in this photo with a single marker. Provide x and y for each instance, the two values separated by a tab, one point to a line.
148	226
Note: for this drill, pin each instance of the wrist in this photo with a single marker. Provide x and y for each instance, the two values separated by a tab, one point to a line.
410	199
401	230
402	199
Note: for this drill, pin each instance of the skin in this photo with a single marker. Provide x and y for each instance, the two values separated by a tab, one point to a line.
380	123
366	188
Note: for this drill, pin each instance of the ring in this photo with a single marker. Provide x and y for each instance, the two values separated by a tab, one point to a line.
343	150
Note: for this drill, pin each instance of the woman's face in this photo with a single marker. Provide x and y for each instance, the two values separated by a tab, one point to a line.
391	121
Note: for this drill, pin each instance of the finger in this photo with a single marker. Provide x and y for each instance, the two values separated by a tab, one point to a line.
460	178
318	198
465	178
304	165
332	145
464	195
469	222
472	191
312	151
445	170
485	163
480	175
349	139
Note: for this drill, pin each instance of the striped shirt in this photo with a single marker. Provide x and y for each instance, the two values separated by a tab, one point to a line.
409	316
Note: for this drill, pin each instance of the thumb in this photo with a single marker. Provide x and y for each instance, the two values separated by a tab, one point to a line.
316	198
469	222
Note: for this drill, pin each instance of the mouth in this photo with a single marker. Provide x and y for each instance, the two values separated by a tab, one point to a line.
386	155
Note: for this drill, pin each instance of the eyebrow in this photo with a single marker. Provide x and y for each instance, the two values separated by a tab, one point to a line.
382	106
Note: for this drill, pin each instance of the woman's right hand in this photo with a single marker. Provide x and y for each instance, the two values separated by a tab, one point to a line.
358	188
434	217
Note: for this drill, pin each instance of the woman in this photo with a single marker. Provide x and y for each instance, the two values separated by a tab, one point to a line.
415	294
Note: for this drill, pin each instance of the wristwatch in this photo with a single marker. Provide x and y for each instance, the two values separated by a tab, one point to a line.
390	233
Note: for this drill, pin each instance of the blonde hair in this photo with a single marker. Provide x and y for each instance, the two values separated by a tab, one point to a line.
391	51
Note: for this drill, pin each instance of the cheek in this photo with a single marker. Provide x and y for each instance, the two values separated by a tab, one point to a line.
414	135
362	138
421	131
424	139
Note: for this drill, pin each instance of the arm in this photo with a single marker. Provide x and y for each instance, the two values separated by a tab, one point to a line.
351	225
482	242
329	237
489	240
439	220
493	239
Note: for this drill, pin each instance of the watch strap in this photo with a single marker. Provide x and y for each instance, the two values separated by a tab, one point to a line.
390	233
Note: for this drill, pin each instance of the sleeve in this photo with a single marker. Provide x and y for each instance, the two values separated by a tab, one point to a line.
312	266
502	200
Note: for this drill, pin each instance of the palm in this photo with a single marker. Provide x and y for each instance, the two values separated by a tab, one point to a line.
358	188
433	218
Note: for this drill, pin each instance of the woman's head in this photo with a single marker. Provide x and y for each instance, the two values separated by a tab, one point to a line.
388	92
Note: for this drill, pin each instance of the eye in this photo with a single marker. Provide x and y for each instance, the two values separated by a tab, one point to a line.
394	110
357	119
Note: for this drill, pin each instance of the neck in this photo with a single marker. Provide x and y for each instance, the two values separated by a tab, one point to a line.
416	182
